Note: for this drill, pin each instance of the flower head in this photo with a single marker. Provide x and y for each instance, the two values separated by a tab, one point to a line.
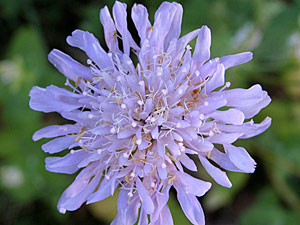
137	122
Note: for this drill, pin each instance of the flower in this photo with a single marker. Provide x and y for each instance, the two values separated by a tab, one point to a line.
141	111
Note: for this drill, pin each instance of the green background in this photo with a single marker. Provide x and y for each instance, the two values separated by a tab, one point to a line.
268	28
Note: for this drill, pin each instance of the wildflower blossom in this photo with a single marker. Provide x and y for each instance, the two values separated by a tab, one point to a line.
136	124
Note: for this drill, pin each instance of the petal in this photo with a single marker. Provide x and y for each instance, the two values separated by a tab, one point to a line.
165	217
216	80
143	220
139	16
160	202
54	131
231	116
202	48
58	144
127	213
223	160
175	30
91	46
190	206
67	164
106	188
192	185
249	101
68	66
240	158
187	162
145	197
120	17
52	99
218	175
258	128
110	31
78	191
236	59
224	138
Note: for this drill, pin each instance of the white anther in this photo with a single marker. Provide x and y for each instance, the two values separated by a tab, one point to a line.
99	151
125	155
211	133
180	91
90	116
119	78
140	102
84	93
188	47
129	62
163	165
201	116
133	124
153	184
72	151
80	141
62	210
159	71
113	130
206	103
178	125
132	174
123	106
141	83
138	141
109	54
107	177
164	91
197	73
184	70
227	84
130	194
89	62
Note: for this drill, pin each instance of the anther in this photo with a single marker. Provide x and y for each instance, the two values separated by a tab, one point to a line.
159	71
201	116
164	91
89	62
140	102
113	130
138	141
62	210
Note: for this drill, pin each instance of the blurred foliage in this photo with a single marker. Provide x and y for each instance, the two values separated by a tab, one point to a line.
269	28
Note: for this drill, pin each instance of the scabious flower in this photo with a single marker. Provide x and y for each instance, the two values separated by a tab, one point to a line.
140	112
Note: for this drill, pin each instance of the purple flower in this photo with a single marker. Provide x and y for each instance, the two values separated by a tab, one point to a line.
137	122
